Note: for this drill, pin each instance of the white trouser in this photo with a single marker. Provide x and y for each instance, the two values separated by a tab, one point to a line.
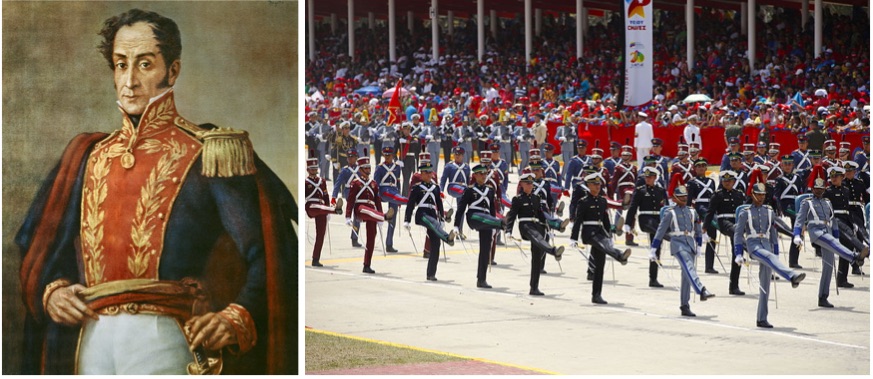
642	152
133	344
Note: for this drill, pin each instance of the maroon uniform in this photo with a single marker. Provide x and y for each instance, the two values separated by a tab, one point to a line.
624	181
365	203
687	170
317	207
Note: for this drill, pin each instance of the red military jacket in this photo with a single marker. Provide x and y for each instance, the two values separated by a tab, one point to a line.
687	170
316	191
363	192
625	177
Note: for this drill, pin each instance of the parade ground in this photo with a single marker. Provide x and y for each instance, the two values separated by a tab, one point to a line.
640	331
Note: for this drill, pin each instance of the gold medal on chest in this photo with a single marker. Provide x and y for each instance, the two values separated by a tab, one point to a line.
127	160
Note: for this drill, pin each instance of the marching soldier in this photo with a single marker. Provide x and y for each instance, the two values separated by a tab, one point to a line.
648	200
722	208
592	220
426	197
801	154
756	231
500	166
858	196
433	135
817	215
651	161
320	132
566	135
448	127
342	184
542	188
748	160
733	147
502	137
862	154
788	187
318	207
532	226
700	191
683	165
573	168
387	135
840	196
377	127
481	131
682	224
387	176
739	169
464	136
760	155
365	205
552	173
830	159
454	180
341	143
363	132
409	149
623	186
694	152
523	135
614	157
479	206
662	163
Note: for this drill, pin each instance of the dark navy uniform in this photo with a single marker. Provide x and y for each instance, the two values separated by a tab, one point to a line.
478	204
839	197
722	208
647	201
700	191
532	225
426	198
788	187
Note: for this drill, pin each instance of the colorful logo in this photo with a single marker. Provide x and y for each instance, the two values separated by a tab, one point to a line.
635	7
637	57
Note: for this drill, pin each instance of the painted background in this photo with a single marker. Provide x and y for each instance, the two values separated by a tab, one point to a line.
239	70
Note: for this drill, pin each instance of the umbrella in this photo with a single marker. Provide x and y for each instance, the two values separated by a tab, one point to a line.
821	92
697	98
403	92
369	90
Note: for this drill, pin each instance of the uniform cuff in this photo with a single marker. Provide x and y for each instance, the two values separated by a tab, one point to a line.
242	323
50	288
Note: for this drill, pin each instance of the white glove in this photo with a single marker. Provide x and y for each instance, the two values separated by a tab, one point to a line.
379	224
327	156
798	241
551	235
705	238
739	260
336	166
406	225
400	164
509	237
574	244
428	137
460	140
403	140
626	228
455	229
349	221
653	256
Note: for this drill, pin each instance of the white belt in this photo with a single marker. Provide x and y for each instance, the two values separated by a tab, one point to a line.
789	197
657	213
857	203
818	222
410	154
701	200
313	200
480	209
431	206
679	234
759	235
359	201
841	211
726	215
528	219
596	223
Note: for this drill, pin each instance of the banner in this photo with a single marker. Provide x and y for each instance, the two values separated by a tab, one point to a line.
638	53
394	105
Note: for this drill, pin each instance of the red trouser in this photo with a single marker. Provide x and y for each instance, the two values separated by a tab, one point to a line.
319	212
370	216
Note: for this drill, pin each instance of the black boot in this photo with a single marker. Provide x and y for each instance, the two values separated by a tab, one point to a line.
736	291
368	270
596	299
356	244
535	292
391	249
764	324
686	311
316	264
795	281
590	276
705	294
823	302
482	284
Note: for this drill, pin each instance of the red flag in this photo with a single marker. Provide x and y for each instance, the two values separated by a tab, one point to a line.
394	104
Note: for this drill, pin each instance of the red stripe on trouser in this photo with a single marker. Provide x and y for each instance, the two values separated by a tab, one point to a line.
395	198
320	229
315	210
368	213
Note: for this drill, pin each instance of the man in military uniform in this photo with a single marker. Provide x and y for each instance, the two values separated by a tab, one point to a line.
387	177
523	135
552	173
700	191
409	150
817	215
814	157
365	204
756	231
341	143
760	154
482	131
722	210
321	131
861	156
378	126
573	168
455	178
682	224
623	186
801	154
433	135
858	197
614	157
449	125
479	206
788	187
532	226
742	173
501	135
840	196
683	165
500	166
592	220
662	163
651	161
363	132
116	244
748	158
464	136
648	200
830	155
733	147
318	207
566	135
342	184
426	197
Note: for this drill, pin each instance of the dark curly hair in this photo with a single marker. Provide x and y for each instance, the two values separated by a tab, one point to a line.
165	29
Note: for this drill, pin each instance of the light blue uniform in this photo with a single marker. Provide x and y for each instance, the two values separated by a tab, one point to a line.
364	134
523	135
818	216
463	137
320	131
755	229
683	226
502	135
566	135
433	134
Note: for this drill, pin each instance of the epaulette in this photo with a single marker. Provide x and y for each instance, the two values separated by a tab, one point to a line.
226	152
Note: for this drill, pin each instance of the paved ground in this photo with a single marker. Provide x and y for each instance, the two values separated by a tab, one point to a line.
639	332
444	368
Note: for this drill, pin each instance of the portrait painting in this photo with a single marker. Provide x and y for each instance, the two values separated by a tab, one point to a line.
149	186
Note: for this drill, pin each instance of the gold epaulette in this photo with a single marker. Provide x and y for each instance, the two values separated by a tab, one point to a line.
226	152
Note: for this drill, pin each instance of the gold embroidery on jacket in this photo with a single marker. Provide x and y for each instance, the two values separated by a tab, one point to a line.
93	215
148	204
